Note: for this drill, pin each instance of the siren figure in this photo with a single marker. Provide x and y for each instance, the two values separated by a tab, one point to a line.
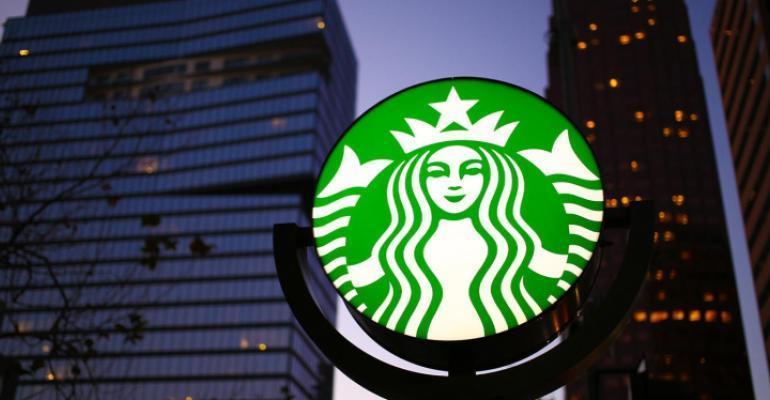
457	256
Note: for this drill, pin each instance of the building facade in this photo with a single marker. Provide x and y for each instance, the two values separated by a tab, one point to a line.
626	71
196	125
740	36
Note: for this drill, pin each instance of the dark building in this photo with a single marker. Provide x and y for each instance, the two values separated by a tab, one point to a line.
626	71
740	35
214	117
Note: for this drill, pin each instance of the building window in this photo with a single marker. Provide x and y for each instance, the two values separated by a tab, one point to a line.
679	115
681	39
200	84
237	62
590	124
639	116
320	24
682	133
634	9
593	26
582	45
614	83
664	216
634	165
24	52
682	219
651	21
693	117
667	132
640	35
202	66
678	199
624	39
164	70
235	80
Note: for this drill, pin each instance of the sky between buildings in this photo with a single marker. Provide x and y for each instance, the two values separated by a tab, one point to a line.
399	43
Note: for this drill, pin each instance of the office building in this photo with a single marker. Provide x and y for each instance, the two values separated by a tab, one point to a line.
626	72
739	36
214	117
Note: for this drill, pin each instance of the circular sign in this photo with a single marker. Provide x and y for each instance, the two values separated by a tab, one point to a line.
457	209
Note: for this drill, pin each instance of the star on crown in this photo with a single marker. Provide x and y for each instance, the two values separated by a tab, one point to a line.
454	111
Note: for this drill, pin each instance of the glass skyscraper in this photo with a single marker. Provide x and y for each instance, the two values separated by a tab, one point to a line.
196	125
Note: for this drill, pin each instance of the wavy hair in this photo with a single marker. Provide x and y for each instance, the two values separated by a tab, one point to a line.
497	291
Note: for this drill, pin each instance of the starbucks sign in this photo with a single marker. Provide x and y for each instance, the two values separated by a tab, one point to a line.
457	209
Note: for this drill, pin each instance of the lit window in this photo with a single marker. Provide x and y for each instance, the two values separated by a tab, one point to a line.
658	316
681	39
24	52
668	236
594	42
582	45
677	315
634	165
639	116
693	117
710	316
593	27
611	203
655	237
702	360
651	7
262	346
50	376
188	398
682	219
624	39
685	255
625	201
640	35
679	115
726	316
591	138
678	199
637	198
244	344
682	133
320	24
672	274
147	165
659	275
694	315
708	297
640	316
661	295
23	326
614	83
634	9
666	132
651	21
46	348
278	122
590	124
664	216
728	32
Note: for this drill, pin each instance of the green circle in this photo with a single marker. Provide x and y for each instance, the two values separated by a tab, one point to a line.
457	209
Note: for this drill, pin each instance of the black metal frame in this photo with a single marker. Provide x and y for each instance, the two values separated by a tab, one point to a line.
585	341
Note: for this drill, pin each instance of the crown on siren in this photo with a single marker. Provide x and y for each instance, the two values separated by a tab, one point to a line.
454	110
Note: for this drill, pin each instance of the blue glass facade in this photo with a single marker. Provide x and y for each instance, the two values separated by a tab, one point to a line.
216	116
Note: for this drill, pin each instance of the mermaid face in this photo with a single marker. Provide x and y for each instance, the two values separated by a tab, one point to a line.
454	178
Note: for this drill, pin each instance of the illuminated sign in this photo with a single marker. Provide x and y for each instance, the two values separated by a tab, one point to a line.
457	209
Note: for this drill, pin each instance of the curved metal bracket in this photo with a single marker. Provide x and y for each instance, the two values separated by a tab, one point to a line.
531	379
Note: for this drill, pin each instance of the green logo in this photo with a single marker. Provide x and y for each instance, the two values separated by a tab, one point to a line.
457	209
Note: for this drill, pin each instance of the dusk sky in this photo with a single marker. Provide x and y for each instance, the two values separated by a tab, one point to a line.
399	43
